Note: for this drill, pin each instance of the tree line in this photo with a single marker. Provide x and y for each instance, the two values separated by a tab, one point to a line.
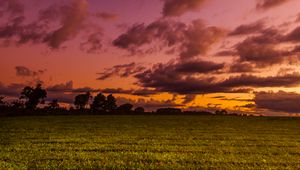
31	97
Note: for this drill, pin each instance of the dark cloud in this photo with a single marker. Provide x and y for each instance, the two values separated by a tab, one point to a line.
55	25
136	92
196	66
218	97
12	90
267	4
26	72
225	53
150	105
251	28
237	99
93	43
262	50
179	7
116	91
15	32
163	78
63	87
261	55
106	16
11	7
68	87
72	18
140	35
174	72
294	35
124	70
267	36
280	101
245	80
190	40
189	98
241	67
249	106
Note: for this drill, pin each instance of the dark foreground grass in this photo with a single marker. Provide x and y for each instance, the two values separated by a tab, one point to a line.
149	142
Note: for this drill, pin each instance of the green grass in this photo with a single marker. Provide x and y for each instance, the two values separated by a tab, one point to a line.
149	142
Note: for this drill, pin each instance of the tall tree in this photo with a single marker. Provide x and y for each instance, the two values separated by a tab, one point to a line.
82	100
110	104
99	103
33	96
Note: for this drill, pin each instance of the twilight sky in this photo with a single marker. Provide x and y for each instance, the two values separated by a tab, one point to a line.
242	56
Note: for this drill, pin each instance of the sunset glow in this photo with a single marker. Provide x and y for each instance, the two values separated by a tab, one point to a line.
242	56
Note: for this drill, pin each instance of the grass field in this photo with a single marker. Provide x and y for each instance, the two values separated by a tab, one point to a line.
149	142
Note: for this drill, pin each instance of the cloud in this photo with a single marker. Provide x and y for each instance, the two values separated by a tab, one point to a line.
293	36
26	72
63	87
54	26
298	18
68	87
251	28
149	105
189	40
189	98
123	70
245	80
72	18
173	8
237	99
268	4
278	101
12	90
193	66
263	50
249	106
93	43
106	16
241	67
12	7
136	92
225	53
165	78
259	54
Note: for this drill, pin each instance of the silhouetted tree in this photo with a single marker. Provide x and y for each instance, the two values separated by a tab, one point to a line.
71	109
2	103
33	96
125	108
82	100
139	110
17	104
53	105
110	103
98	103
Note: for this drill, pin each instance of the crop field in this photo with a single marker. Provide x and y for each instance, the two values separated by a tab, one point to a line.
149	142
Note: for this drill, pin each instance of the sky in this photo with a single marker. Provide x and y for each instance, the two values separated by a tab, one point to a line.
242	56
